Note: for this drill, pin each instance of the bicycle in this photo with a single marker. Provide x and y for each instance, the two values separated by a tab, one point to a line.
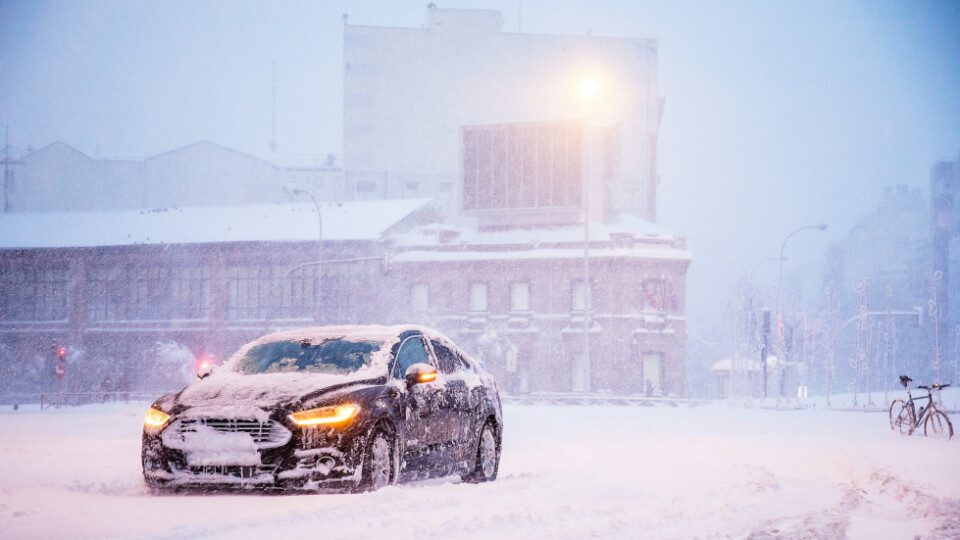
905	418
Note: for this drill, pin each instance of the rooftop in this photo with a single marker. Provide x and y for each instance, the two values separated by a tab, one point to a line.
288	222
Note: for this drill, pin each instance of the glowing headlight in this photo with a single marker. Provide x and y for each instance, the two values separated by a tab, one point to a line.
325	415
156	418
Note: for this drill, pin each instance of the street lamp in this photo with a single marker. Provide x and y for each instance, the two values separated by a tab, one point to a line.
589	89
298	191
783	246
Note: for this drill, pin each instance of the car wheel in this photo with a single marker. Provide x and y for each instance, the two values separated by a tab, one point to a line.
487	457
157	487
378	462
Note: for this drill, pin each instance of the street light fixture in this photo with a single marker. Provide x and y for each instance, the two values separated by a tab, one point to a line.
783	246
298	191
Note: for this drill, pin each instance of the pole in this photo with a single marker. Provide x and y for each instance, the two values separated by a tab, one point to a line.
585	362
783	247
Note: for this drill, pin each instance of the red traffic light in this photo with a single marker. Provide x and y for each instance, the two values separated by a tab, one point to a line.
61	352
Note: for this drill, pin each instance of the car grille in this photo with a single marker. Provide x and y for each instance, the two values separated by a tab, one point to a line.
270	434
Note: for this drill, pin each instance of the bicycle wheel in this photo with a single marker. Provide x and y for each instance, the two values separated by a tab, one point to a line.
906	420
938	426
895	409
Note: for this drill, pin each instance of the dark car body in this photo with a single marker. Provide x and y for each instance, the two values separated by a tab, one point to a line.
415	406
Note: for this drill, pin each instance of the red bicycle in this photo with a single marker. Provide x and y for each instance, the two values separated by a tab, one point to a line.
906	418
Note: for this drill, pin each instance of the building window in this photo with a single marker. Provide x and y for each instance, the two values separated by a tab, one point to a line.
366	186
520	296
655	295
34	293
107	293
150	298
653	373
261	291
419	298
536	165
191	292
478	297
124	292
579	295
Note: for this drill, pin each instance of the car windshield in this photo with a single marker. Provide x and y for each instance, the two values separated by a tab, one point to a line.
334	356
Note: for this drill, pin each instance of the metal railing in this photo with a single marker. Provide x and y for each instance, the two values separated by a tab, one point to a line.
599	399
47	400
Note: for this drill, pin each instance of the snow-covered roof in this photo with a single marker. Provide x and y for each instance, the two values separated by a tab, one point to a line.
459	242
599	231
287	222
660	253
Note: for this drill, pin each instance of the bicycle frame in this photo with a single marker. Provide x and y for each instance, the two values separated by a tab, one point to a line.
921	415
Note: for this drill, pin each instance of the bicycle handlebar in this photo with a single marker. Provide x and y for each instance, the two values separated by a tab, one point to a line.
933	386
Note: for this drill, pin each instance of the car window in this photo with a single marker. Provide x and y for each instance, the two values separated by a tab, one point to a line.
334	356
463	363
411	352
447	361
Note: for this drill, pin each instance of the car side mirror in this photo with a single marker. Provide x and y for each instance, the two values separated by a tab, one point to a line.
420	373
205	371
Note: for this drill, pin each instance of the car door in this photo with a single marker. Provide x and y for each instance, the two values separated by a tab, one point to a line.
421	408
456	399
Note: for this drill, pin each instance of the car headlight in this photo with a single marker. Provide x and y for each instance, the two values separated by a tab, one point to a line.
325	415
155	418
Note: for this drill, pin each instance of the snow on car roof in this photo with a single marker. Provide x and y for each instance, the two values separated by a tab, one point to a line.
286	222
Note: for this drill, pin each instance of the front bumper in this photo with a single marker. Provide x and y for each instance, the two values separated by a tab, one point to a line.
197	450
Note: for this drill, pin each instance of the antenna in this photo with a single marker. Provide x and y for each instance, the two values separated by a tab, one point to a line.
273	113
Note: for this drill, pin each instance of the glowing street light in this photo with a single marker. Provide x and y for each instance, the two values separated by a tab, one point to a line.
589	88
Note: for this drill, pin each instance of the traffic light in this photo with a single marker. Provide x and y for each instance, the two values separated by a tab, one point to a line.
62	353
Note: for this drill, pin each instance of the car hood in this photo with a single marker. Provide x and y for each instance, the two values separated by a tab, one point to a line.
260	390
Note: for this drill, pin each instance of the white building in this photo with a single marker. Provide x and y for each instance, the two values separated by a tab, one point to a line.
409	91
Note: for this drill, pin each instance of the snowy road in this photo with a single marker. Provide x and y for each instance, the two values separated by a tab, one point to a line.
567	472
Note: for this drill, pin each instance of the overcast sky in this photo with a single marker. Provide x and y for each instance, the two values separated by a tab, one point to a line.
778	114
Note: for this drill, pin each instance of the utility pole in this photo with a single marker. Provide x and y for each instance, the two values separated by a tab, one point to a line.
886	350
831	321
765	334
935	313
8	176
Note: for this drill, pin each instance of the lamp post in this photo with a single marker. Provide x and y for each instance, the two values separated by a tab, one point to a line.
589	89
298	191
783	246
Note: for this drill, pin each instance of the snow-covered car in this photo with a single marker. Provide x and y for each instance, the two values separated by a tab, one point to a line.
355	407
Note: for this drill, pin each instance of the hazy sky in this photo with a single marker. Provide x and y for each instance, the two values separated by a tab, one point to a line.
778	114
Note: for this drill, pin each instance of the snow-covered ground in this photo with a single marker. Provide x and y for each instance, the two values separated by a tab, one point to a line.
711	471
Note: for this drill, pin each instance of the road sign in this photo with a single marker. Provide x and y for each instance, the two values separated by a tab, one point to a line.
60	370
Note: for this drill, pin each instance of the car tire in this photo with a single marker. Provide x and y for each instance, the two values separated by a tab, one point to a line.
487	460
379	469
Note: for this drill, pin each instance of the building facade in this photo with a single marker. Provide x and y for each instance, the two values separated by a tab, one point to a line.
515	299
945	234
